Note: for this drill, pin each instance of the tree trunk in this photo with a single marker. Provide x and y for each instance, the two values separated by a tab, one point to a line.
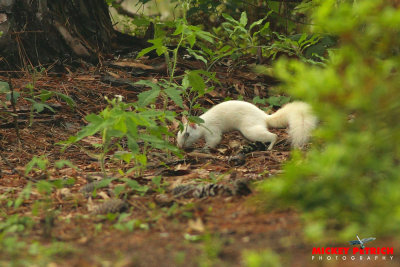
40	32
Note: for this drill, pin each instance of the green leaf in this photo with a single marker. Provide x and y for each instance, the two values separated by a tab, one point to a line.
157	180
195	119
258	22
196	55
197	82
103	183
262	30
29	86
4	87
175	96
145	51
205	36
191	39
120	124
132	144
148	83
225	48
133	184
70	102
24	194
302	38
185	82
243	19
124	155
62	163
44	187
45	95
278	101
40	162
179	29
258	100
157	45
15	94
91	128
39	107
209	75
160	47
148	97
230	19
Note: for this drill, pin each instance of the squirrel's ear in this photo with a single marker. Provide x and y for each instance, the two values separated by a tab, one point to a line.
184	120
193	125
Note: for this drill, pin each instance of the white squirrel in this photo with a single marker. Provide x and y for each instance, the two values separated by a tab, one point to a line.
252	122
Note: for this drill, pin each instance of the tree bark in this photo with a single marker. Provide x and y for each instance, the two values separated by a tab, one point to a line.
40	32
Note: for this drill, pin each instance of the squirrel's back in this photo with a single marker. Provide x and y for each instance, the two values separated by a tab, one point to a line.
234	114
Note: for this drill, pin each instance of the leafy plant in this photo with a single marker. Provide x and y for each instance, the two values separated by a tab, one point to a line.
124	223
211	55
24	195
294	46
10	227
348	181
191	89
135	186
186	35
38	101
240	37
194	82
5	89
259	259
15	223
277	101
42	164
164	89
126	121
157	181
238	32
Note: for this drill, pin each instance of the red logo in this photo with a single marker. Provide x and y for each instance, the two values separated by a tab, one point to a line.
356	253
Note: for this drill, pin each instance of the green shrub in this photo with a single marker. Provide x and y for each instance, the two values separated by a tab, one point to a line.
348	182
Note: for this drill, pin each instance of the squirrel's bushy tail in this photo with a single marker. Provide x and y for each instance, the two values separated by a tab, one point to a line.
298	116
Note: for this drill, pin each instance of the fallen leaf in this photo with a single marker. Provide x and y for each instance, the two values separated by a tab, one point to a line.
196	225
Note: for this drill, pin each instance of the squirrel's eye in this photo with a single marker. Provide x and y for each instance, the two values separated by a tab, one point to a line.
186	134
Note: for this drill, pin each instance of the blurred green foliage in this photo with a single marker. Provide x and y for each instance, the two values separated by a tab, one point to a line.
348	182
260	259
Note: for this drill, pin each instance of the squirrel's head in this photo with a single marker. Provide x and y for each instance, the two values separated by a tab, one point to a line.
188	135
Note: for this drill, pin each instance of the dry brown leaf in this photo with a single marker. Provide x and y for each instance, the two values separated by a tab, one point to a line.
182	167
131	64
103	195
64	193
90	205
112	74
86	78
201	155
196	225
175	125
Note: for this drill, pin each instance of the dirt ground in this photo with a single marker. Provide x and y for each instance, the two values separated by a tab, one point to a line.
160	229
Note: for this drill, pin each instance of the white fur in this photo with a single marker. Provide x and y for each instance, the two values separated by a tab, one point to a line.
252	122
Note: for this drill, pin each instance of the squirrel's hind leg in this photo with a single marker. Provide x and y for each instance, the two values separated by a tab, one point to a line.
261	134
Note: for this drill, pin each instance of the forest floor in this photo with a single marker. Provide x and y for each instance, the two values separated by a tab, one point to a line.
60	228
